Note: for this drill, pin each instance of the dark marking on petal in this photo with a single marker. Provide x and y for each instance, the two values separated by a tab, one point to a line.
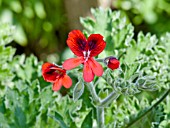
50	71
81	44
92	44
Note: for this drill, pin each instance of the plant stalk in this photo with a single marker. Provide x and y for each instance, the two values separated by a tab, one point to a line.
100	117
109	99
99	60
95	97
101	104
99	110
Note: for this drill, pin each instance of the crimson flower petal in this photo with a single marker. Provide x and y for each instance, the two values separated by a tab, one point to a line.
72	63
96	44
88	74
57	84
49	72
67	82
77	42
96	67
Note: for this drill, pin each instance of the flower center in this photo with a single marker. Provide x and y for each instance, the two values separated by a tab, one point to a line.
59	74
86	55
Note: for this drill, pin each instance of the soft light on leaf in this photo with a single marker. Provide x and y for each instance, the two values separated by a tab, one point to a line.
20	36
78	90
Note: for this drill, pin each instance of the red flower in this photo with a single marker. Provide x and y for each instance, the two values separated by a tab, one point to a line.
112	62
85	50
56	75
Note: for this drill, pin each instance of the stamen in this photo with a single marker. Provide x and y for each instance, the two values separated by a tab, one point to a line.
86	55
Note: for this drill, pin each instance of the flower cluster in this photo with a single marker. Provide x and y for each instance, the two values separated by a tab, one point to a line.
85	51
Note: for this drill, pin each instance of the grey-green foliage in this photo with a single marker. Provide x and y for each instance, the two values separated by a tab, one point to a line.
135	113
78	90
26	100
120	43
116	32
6	54
144	67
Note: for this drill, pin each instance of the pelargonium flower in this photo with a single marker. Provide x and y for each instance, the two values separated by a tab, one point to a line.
56	75
85	50
112	62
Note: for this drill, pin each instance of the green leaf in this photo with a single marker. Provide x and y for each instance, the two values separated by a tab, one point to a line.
165	39
131	69
78	90
3	121
99	14
87	23
5	75
59	119
151	116
6	54
10	98
20	119
88	121
20	85
132	53
20	36
6	33
34	90
46	96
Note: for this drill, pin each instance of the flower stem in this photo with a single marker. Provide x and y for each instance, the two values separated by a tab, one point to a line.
95	97
99	60
101	104
99	110
100	117
112	96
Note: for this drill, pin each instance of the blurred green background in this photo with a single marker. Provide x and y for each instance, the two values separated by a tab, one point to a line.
42	26
146	15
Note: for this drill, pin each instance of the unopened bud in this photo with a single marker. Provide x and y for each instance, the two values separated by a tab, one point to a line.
112	62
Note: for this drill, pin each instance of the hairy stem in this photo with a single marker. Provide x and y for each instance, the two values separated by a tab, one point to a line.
99	110
112	96
100	117
95	97
101	104
150	109
99	60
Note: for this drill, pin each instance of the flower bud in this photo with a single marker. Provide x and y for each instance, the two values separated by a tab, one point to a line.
112	62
